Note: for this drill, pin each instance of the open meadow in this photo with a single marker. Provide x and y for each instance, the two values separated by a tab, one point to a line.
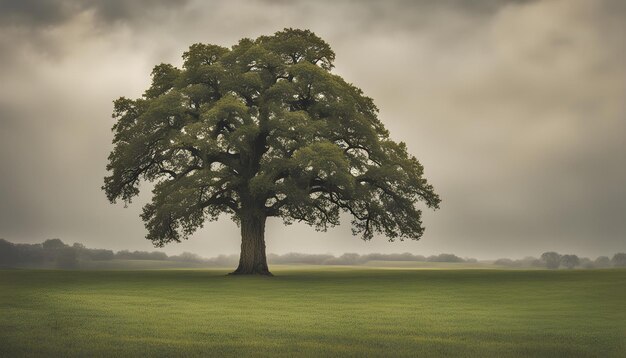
314	311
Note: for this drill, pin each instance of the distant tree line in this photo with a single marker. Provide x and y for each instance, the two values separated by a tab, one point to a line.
553	260
356	259
54	253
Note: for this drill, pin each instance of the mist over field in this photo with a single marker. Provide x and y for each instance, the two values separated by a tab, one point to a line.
55	254
515	108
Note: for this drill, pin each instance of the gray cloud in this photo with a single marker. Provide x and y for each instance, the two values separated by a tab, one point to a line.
514	107
49	27
46	13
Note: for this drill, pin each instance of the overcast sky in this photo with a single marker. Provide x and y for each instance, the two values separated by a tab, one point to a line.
516	109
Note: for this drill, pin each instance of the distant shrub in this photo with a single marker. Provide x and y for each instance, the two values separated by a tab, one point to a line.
570	261
393	257
66	258
53	244
8	254
530	261
536	263
507	262
140	255
297	258
602	262
85	254
619	260
551	259
30	253
445	258
587	263
100	254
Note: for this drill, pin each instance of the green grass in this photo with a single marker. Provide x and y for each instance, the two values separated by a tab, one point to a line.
314	311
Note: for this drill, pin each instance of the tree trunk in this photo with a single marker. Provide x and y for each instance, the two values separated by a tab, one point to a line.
252	260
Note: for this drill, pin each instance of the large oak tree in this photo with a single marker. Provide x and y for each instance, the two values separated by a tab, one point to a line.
259	130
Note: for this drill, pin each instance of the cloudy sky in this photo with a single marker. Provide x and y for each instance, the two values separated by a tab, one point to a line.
517	109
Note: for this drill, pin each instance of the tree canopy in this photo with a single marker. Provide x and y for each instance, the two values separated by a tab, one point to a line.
263	129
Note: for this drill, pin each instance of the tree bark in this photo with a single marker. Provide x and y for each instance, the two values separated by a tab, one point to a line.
252	260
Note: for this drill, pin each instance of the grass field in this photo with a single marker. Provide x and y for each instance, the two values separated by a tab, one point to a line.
314	311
